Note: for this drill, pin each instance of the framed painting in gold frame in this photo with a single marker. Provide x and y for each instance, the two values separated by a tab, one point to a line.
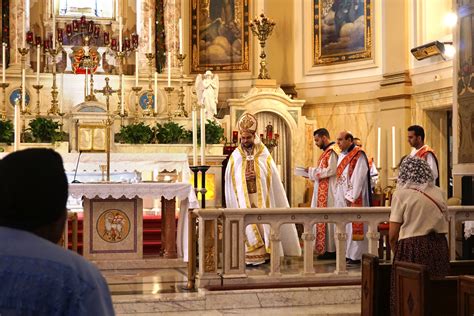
219	35
342	31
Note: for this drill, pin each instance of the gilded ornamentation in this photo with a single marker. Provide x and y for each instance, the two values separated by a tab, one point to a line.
113	226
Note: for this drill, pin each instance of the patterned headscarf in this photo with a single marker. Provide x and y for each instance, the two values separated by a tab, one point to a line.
415	171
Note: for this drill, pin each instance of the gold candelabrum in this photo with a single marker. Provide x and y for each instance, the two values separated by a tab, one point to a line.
23	53
149	93
168	96
262	28
3	113
53	52
137	101
121	104
107	91
181	111
38	87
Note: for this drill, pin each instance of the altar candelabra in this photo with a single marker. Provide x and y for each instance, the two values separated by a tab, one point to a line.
181	111
168	94
3	114
262	28
38	87
149	94
53	52
23	53
121	110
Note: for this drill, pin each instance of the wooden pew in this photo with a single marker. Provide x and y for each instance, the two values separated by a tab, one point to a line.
417	294
375	286
466	295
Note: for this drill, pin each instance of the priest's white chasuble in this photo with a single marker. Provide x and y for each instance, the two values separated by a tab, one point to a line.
352	190
265	192
324	177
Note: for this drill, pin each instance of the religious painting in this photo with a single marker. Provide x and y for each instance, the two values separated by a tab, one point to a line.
113	226
342	31
219	35
465	89
91	138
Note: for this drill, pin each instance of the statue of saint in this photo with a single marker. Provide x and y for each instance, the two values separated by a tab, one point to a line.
207	90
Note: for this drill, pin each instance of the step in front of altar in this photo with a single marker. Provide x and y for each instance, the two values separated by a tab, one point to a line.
252	301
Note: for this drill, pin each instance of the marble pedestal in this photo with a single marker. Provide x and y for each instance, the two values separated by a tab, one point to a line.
113	228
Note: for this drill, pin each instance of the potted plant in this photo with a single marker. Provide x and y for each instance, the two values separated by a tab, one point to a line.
214	133
6	132
136	133
171	133
44	130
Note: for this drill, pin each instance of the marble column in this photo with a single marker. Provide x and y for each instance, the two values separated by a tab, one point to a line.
172	15
17	7
145	11
275	246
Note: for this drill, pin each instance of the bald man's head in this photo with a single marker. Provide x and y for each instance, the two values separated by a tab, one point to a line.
345	140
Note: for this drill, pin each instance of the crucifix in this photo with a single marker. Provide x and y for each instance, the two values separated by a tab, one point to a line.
107	91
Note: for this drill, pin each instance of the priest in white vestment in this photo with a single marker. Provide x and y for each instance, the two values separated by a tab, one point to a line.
252	181
324	178
353	190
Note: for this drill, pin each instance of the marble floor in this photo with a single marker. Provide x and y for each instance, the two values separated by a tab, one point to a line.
168	284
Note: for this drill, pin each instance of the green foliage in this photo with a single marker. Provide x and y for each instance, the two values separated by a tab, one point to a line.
214	133
171	133
6	132
137	133
45	130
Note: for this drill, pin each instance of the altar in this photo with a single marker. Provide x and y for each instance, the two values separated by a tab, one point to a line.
113	218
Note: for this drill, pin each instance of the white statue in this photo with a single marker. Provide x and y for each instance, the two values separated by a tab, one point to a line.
207	91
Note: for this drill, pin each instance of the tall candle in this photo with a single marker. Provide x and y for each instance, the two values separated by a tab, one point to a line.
155	93
169	69
194	122
16	127
23	20
394	163
136	68
120	34
38	63
150	36
54	28
180	25
122	93
203	137
4	61
379	134
23	89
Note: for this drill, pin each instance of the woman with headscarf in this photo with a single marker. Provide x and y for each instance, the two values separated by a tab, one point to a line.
418	221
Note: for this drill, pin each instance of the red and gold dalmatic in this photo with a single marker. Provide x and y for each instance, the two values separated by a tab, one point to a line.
351	160
424	151
322	201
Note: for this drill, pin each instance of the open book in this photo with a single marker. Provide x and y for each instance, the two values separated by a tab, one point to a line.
301	171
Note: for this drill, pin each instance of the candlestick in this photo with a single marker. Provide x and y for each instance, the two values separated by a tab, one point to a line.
16	127
4	61
54	88
61	100
150	36
203	136
136	89
38	63
169	69
181	110
136	68
180	26
168	93
4	85
38	88
122	94
149	94
379	134
155	93
23	89
394	163
194	122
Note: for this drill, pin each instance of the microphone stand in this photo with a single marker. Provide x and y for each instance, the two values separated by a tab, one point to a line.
77	165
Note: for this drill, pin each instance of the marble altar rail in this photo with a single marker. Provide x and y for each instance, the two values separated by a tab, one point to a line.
223	259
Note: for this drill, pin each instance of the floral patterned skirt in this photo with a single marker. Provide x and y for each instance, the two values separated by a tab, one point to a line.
430	250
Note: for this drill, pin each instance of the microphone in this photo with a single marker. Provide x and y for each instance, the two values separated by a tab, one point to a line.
77	164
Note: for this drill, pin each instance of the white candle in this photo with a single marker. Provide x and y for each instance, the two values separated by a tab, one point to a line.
4	61
136	68
120	34
122	93
117	8
169	69
38	63
203	137
194	122
16	127
54	29
23	17
394	163
155	93
61	100
150	36
23	90
379	134
180	25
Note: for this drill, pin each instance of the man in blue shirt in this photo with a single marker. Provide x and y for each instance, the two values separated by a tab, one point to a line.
38	277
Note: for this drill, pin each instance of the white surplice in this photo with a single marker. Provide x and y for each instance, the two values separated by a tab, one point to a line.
348	190
429	159
270	194
329	172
